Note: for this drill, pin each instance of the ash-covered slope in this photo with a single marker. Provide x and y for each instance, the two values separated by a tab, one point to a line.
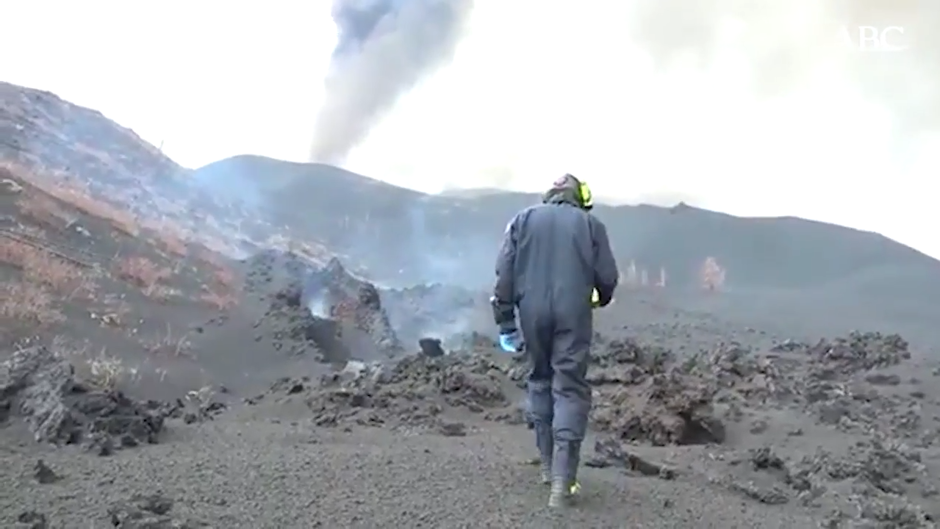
387	227
405	237
78	148
60	140
399	238
38	127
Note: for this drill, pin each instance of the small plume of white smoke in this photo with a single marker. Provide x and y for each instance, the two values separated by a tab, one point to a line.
438	256
318	306
385	47
316	297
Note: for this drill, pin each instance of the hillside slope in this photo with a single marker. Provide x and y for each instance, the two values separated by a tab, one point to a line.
401	237
807	276
784	252
39	128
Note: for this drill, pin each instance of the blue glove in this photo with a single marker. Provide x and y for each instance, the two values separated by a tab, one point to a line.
511	342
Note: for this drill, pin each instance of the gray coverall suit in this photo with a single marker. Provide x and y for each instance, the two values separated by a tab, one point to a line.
552	257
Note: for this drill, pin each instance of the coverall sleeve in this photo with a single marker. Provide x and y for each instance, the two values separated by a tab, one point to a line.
504	311
606	275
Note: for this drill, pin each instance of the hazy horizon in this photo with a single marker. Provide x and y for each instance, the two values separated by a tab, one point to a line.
748	109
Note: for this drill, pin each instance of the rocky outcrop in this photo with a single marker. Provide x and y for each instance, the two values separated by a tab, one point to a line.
641	394
41	389
412	392
324	311
353	302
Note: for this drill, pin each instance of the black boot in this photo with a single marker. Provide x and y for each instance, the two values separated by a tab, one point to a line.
565	473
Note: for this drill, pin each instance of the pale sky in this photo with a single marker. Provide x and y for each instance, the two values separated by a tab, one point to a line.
536	89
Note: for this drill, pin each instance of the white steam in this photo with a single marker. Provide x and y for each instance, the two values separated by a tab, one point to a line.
319	307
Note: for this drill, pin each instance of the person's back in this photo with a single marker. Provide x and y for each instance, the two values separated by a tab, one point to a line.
556	239
553	257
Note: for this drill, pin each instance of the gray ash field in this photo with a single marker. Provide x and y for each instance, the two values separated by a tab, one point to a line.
305	376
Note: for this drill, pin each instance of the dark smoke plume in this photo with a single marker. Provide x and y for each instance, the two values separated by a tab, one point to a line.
385	48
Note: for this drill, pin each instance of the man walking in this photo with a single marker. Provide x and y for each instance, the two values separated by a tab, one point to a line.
556	266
